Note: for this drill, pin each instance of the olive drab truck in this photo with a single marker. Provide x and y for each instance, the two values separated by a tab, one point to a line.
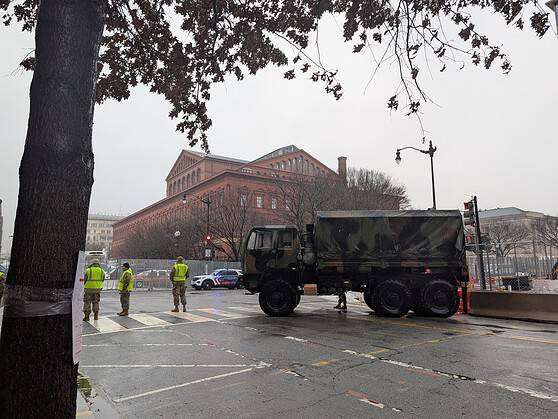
399	260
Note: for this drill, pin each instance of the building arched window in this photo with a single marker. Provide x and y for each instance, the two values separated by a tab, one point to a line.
283	165
289	167
300	164
198	177
188	180
179	185
194	177
312	169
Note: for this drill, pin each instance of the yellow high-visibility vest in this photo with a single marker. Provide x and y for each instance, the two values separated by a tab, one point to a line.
180	271
121	280
95	278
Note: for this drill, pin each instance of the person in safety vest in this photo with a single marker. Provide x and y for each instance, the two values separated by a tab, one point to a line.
94	277
2	284
178	276
125	287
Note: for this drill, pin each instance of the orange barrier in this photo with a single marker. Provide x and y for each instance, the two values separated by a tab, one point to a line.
459	290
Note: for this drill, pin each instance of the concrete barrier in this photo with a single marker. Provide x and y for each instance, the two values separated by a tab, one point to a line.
515	305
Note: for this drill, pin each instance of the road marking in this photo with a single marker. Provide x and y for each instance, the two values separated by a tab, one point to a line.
323	363
296	339
172	366
201	380
100	345
221	313
253	309
191	317
149	320
530	339
525	391
104	324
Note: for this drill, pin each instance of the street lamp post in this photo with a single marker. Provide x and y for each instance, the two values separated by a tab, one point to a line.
431	150
206	202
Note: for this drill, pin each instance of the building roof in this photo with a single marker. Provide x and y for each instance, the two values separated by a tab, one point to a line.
279	152
217	157
500	212
104	217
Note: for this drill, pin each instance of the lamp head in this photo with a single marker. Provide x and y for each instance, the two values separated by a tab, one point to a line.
398	157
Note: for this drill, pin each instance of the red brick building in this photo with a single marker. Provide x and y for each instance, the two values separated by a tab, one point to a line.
201	175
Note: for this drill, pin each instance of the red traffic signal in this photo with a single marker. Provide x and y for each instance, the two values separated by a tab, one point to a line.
469	213
208	237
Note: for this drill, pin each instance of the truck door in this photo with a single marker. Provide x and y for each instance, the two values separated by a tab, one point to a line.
259	256
286	250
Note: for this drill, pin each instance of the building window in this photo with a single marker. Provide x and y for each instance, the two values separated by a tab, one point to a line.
287	204
312	169
306	167
243	199
289	168
283	165
273	203
294	165
259	201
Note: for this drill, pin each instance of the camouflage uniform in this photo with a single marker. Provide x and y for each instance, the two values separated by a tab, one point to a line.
179	286
2	284
92	293
342	301
125	287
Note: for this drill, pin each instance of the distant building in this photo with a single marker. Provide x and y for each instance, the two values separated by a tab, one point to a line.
209	175
100	232
510	215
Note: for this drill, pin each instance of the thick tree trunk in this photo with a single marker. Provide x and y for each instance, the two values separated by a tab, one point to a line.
38	377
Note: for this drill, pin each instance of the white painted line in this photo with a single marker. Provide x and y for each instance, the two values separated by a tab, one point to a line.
149	320
191	317
296	339
221	313
525	391
171	366
104	324
202	380
254	309
100	345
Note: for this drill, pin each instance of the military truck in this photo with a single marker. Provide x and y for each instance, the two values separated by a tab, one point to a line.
399	260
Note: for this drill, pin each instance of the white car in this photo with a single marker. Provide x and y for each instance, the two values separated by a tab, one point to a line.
226	278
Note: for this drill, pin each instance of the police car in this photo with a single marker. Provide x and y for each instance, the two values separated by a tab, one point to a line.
225	278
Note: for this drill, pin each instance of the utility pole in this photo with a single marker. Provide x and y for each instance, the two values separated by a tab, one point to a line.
478	242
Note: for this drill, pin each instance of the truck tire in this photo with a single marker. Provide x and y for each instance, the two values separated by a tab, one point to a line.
278	298
392	298
297	300
369	300
439	298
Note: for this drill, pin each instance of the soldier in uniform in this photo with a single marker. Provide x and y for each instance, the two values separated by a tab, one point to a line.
2	284
342	301
94	277
125	287
178	276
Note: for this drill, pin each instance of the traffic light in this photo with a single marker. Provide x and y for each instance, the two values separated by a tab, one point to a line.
208	237
469	213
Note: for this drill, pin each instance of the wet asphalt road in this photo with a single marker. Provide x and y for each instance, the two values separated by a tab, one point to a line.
229	360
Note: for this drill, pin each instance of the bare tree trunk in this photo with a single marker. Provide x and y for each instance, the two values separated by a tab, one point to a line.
38	377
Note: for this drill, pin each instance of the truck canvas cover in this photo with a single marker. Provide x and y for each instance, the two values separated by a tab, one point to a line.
390	237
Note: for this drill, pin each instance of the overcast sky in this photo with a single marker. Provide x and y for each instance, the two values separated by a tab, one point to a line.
496	134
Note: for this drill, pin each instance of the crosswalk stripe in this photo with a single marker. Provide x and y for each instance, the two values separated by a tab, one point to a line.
104	324
189	316
221	313
253	309
149	320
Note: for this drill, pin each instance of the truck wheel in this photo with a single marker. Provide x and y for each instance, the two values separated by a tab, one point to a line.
392	298
278	298
297	300
439	298
368	299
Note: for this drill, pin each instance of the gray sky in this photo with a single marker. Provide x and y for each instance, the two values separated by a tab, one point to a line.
496	134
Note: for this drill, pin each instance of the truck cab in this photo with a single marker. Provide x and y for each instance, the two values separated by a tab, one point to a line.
270	251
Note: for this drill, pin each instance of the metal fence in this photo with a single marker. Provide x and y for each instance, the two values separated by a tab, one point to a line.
150	274
526	267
